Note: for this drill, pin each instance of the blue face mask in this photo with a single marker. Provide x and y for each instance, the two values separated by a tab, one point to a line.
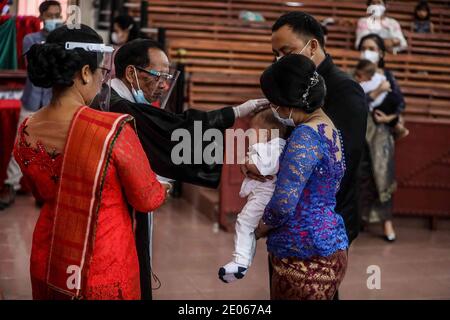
52	24
138	95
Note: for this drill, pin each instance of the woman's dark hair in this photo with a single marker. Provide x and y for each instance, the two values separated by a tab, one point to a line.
380	44
294	82
422	5
127	22
51	65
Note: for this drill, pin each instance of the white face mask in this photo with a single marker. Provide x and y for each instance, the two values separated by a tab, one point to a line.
376	10
120	38
115	38
372	56
279	57
286	122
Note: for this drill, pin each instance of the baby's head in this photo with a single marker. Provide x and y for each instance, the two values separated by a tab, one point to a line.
264	122
365	70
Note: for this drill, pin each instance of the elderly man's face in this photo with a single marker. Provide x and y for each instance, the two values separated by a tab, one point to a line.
152	86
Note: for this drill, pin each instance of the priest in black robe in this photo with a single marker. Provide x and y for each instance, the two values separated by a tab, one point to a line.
142	76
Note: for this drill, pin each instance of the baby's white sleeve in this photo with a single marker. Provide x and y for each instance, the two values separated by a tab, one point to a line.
265	156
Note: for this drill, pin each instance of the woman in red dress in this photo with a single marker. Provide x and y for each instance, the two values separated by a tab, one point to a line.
87	167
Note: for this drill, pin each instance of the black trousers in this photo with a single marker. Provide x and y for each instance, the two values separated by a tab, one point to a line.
143	252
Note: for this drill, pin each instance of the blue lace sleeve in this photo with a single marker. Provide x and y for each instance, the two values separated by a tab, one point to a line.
301	155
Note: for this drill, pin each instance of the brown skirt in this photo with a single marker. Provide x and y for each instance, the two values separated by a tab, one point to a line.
317	278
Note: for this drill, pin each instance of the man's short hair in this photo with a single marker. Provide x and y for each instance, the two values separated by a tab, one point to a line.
43	7
303	24
134	53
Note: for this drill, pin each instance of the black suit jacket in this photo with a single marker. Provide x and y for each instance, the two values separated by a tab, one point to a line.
346	105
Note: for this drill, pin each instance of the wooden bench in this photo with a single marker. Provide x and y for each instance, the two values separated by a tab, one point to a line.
251	58
215	82
208	92
428	44
221	56
223	24
160	10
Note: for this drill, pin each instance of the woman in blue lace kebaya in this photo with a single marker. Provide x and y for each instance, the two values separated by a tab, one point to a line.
306	238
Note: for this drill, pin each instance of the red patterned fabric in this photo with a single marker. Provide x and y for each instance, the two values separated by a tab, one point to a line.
9	116
114	270
316	278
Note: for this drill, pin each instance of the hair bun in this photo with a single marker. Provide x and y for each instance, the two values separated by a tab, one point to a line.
294	82
51	65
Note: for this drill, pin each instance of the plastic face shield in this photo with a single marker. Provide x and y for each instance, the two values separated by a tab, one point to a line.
162	85
104	64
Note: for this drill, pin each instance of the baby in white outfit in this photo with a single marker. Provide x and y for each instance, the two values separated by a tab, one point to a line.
263	159
366	73
371	85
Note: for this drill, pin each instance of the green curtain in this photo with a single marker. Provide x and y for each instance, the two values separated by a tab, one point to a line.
8	51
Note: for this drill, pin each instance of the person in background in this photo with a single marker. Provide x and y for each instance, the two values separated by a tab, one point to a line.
377	88
33	97
377	168
125	29
422	19
379	23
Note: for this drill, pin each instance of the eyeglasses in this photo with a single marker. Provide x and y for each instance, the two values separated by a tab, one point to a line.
158	75
105	72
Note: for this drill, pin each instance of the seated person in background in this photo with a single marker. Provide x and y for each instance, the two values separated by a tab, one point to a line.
422	19
376	85
125	29
377	22
262	159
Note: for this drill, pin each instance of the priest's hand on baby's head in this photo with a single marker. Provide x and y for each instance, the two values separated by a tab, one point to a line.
249	107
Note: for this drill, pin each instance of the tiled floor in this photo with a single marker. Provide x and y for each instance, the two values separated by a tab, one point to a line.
188	250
